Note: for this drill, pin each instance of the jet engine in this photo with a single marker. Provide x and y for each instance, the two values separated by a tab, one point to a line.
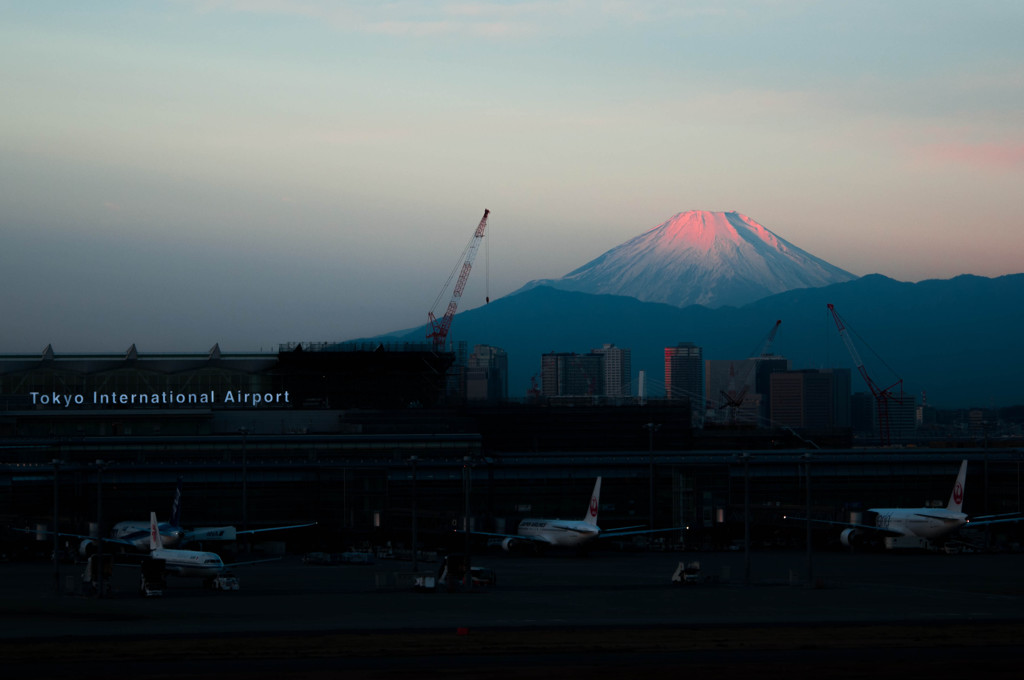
509	544
88	548
851	537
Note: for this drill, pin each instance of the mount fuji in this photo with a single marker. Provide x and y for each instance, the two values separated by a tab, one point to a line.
714	259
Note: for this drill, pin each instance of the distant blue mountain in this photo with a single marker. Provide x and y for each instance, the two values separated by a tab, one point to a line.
956	339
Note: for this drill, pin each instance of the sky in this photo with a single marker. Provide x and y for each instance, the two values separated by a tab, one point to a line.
179	173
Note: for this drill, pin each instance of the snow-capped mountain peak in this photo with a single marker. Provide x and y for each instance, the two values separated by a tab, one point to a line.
701	257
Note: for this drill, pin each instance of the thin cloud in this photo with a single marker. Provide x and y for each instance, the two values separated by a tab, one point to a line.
1000	157
482	19
415	19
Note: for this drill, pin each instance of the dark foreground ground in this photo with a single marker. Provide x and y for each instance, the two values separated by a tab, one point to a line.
607	615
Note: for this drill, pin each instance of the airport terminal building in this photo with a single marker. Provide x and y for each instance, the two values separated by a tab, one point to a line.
361	439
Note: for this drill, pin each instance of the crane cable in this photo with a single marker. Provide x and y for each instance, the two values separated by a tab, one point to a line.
487	270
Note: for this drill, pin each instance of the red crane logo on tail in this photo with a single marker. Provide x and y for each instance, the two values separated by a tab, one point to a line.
958	493
593	506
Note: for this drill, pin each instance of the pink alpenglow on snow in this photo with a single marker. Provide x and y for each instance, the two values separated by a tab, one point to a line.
713	259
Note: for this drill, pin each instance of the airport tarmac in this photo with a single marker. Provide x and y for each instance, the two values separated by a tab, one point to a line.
544	611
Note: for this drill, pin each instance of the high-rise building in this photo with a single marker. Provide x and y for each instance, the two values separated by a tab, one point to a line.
487	374
763	382
900	421
729	386
738	390
811	399
615	370
903	418
684	376
565	374
455	379
863	414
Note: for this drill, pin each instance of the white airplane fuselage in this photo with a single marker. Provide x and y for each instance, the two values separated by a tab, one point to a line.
568	533
562	533
189	563
930	523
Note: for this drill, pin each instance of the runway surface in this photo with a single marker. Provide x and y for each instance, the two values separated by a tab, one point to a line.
598	616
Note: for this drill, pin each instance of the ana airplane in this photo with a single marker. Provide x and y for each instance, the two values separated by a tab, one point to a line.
930	524
564	533
134	535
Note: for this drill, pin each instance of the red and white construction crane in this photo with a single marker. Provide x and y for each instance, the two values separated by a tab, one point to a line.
882	395
439	328
733	399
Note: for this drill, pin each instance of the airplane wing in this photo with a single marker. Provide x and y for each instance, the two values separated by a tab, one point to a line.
230	533
982	521
941	518
243	564
516	537
118	541
48	533
633	531
851	525
1015	515
293	526
208	534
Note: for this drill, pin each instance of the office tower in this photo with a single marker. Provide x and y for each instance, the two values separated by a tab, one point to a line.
684	376
763	383
729	386
615	370
566	374
900	414
487	374
811	399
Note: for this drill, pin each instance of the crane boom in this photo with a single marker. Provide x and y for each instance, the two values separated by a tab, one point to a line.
439	329
881	395
733	399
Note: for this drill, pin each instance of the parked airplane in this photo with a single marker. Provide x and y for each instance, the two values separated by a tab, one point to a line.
135	535
564	533
929	524
188	563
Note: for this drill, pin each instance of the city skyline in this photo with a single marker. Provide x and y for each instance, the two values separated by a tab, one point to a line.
184	173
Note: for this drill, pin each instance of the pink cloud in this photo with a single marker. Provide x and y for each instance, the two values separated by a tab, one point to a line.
986	156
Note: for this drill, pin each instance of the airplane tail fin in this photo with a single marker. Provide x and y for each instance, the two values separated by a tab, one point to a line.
155	540
956	499
176	506
595	502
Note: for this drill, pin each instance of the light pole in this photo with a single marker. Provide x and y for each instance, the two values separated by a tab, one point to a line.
651	429
56	514
100	465
745	457
415	560
245	490
807	472
467	476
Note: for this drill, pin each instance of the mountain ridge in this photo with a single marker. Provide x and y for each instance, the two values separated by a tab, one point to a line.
936	334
